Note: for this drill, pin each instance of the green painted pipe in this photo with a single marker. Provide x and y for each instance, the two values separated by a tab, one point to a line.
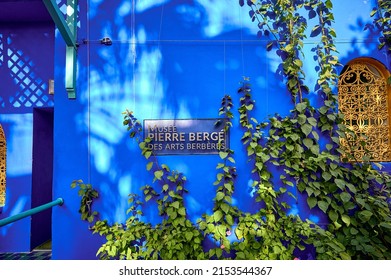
6	221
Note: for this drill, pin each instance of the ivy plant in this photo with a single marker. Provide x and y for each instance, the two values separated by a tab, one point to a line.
382	20
333	179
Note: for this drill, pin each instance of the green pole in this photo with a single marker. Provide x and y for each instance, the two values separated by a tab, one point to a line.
6	221
68	31
58	18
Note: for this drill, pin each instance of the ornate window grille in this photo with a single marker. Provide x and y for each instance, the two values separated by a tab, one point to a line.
3	162
363	97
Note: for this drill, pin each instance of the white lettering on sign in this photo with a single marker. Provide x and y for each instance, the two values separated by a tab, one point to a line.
199	136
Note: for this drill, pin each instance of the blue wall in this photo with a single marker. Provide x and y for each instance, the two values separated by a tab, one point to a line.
26	65
169	59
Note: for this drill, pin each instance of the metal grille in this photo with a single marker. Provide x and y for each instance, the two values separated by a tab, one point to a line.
32	89
3	162
29	89
362	97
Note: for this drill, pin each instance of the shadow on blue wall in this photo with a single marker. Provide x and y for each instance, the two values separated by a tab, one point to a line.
26	65
167	68
172	59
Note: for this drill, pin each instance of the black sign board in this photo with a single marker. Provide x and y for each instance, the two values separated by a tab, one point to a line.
186	136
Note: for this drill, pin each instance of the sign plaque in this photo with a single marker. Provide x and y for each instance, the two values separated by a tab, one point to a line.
186	136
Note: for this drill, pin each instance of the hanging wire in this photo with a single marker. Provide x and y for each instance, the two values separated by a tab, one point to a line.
241	40
157	61
224	70
89	95
133	47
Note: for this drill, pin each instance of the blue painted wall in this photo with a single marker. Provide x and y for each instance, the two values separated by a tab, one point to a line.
26	65
169	59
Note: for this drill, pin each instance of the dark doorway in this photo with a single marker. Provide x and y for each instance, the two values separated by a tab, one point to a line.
42	175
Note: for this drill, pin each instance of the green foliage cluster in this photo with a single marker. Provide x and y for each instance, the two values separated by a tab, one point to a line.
176	237
88	194
354	194
382	14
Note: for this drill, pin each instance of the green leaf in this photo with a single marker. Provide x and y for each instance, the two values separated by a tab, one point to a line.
323	205
301	118
238	233
361	201
308	143
189	235
301	106
289	147
315	31
223	155
386	225
249	107
265	175
228	186
337	225
345	256
353	231
312	121
175	204
345	197
158	174
148	154
217	216
220	196
352	188
306	129
365	215
326	176
253	144
149	165
221	229
182	211
315	149
333	215
229	219
329	4
225	208
269	45
259	165
164	166
219	252
312	201
316	135
171	213
346	219
240	256
340	183
298	62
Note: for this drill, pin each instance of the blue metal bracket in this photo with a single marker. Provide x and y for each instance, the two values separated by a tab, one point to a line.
68	30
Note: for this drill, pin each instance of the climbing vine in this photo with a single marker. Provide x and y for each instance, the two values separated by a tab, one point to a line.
343	190
304	146
382	14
